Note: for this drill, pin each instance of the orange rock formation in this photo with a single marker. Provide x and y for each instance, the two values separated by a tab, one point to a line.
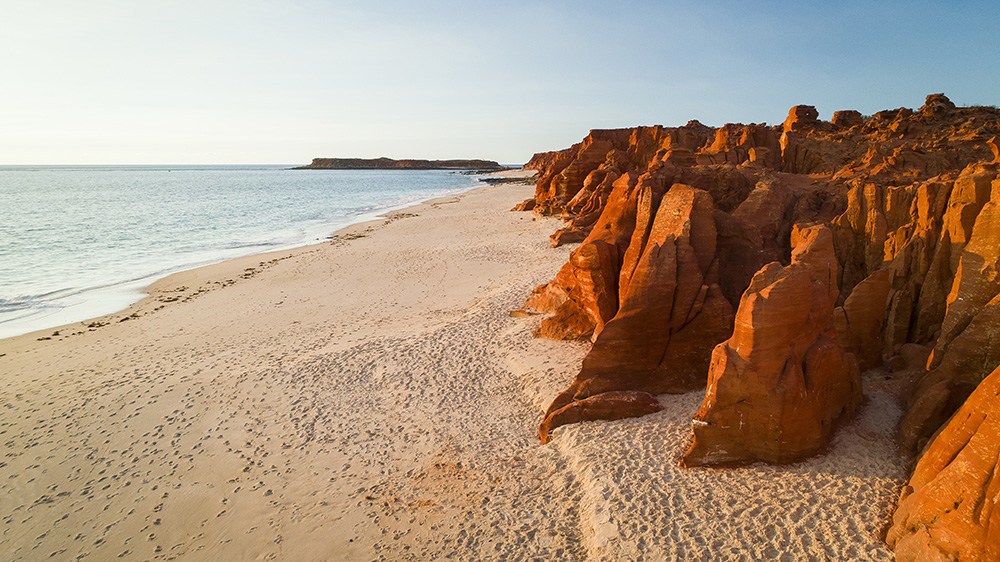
948	509
777	387
671	308
895	224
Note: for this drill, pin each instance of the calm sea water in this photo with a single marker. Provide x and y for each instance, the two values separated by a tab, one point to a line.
79	242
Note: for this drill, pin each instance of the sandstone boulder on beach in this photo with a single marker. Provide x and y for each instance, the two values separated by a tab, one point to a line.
948	509
613	405
778	386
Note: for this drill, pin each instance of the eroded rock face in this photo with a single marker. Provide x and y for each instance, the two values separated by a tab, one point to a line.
968	347
902	193
777	387
948	509
671	311
584	294
584	166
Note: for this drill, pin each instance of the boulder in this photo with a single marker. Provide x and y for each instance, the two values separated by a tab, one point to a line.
606	406
777	387
847	118
526	205
800	118
937	105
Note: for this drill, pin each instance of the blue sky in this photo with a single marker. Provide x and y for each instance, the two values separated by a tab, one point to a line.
282	82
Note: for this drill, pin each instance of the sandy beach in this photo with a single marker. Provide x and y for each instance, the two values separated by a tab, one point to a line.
371	398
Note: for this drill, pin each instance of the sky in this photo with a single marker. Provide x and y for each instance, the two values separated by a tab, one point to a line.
282	82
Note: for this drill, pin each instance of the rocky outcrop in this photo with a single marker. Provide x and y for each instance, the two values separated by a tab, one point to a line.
901	192
543	160
390	164
584	294
604	150
968	347
800	118
671	308
847	118
948	509
881	237
778	386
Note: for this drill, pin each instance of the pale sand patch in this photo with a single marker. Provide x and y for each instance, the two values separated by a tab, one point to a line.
371	399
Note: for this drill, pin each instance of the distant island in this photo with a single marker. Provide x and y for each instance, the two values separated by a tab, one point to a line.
390	164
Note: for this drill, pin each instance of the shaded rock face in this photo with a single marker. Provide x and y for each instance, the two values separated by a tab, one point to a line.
860	321
948	509
778	386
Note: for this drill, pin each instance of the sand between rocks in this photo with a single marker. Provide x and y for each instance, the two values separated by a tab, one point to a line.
370	398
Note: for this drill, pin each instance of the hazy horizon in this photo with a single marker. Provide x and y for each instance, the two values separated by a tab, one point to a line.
188	83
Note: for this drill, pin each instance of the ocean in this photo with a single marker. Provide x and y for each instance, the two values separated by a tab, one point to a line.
77	242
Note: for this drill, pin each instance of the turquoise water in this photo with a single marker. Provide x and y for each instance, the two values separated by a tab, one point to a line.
82	241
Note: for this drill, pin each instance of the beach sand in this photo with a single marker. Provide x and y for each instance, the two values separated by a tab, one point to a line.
370	398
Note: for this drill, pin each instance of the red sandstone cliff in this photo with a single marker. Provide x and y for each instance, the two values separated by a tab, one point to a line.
880	235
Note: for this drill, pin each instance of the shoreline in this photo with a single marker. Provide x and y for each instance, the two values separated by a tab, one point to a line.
137	290
371	398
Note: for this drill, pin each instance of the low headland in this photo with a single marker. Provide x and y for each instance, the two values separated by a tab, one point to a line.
791	326
406	164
